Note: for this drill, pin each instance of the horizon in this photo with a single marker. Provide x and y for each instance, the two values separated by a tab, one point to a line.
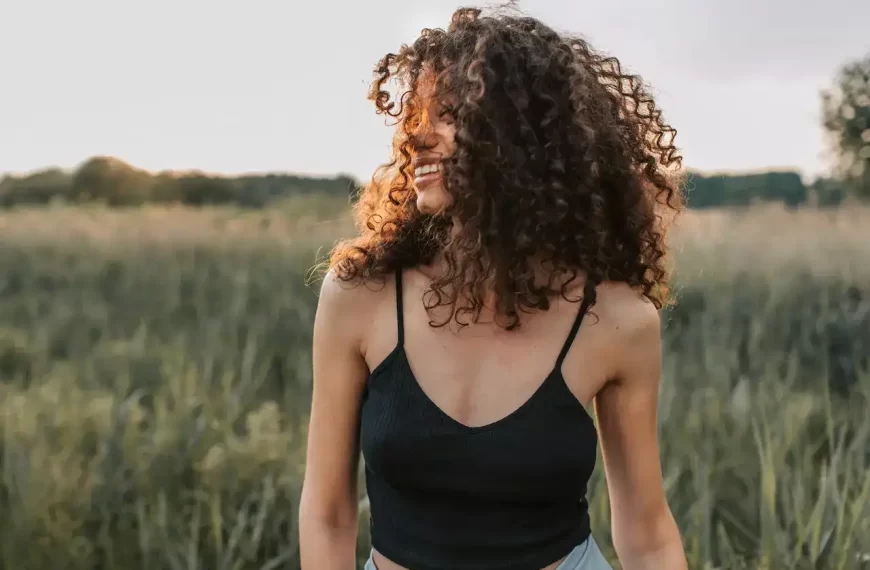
70	170
241	100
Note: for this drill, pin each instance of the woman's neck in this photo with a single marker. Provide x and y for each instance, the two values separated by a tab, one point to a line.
546	275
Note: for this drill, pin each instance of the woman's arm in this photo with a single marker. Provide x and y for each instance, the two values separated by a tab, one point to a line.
645	535
328	507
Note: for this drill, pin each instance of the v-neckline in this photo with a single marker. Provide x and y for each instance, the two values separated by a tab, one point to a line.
527	403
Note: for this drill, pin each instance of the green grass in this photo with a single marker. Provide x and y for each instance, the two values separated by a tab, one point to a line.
155	379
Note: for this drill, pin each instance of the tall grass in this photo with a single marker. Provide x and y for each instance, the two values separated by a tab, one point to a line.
155	368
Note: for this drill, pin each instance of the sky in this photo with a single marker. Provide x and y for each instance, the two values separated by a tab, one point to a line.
280	85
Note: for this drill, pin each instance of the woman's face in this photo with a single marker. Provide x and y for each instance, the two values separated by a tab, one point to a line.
431	142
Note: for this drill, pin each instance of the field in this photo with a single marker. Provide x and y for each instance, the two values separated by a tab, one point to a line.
155	379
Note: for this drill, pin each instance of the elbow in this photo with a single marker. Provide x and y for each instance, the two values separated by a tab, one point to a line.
327	533
646	535
337	517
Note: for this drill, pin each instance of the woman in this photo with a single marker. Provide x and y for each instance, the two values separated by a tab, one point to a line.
508	274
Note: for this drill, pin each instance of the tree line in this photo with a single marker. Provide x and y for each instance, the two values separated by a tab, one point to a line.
115	183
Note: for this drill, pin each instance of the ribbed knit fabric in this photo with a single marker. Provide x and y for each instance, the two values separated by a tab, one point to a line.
510	495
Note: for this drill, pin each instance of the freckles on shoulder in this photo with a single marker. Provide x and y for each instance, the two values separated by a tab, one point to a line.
625	310
631	324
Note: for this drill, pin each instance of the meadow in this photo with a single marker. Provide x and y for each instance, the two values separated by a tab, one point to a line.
155	378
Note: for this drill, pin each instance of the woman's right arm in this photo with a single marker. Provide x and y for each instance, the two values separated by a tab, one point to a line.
328	506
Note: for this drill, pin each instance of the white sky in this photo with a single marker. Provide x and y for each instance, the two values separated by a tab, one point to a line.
279	85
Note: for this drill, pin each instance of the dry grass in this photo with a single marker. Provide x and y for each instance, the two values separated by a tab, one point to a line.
725	243
309	219
155	376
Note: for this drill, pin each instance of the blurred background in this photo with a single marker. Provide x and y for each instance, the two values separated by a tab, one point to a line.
171	171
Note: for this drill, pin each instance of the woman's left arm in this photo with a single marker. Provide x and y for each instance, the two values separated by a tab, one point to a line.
645	534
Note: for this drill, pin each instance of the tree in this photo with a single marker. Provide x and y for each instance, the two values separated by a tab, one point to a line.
38	188
112	181
846	115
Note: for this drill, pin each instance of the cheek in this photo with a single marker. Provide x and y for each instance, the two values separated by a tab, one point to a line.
443	195
446	133
450	139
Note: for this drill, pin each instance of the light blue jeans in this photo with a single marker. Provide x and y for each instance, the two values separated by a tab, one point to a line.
586	556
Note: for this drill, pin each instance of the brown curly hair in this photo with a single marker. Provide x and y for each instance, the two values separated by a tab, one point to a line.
560	157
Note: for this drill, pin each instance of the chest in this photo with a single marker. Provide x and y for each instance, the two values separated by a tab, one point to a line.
546	446
478	375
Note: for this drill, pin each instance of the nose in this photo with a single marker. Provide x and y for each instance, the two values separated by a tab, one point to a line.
423	137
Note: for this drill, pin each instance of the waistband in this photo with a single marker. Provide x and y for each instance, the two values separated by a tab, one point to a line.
585	556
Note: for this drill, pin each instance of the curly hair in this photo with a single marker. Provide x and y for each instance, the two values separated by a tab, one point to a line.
560	156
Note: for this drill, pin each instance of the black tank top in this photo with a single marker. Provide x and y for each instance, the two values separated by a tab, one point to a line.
510	495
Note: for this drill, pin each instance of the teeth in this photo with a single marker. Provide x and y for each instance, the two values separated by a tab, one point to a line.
427	169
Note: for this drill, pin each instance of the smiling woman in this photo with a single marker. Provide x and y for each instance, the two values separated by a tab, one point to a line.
432	144
526	193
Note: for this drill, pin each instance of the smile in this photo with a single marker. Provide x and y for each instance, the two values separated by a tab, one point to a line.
427	174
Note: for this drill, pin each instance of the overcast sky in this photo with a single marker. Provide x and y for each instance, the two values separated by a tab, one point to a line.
279	85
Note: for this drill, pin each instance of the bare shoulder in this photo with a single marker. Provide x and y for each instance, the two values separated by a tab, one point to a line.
626	310
631	324
348	307
351	294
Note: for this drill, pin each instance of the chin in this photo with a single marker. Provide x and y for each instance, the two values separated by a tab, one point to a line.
432	200
426	208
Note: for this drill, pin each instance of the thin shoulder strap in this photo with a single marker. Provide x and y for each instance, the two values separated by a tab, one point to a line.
400	317
588	299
